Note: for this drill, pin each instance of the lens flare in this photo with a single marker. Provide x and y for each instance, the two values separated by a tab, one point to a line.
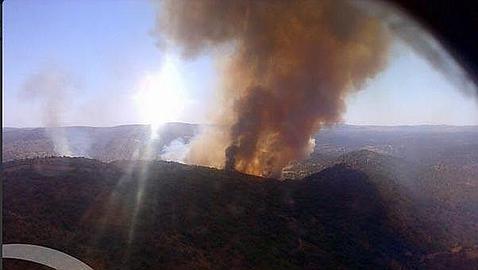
160	96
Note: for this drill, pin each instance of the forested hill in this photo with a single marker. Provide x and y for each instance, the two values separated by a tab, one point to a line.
150	215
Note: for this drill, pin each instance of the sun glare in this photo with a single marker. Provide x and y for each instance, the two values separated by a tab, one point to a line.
160	97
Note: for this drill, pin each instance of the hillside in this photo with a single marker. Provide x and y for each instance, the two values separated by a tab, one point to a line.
148	215
448	150
445	195
368	197
195	217
429	145
102	143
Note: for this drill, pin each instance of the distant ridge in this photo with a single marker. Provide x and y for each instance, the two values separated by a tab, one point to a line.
123	141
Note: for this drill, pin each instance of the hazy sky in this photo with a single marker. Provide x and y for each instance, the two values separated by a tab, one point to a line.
116	74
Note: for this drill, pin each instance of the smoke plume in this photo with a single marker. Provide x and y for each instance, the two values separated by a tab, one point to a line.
292	64
176	150
50	90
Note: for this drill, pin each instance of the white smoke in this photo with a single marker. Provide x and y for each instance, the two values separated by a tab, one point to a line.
177	151
50	90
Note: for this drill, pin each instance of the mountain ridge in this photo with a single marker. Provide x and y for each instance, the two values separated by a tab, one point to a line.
197	217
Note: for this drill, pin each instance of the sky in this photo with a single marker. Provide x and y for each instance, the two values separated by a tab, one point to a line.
117	75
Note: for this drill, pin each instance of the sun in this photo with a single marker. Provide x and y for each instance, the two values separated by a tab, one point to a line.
160	96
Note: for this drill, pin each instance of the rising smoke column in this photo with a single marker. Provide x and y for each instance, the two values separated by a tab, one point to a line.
292	64
50	89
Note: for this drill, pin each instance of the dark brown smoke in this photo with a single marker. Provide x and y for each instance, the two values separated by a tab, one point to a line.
292	64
